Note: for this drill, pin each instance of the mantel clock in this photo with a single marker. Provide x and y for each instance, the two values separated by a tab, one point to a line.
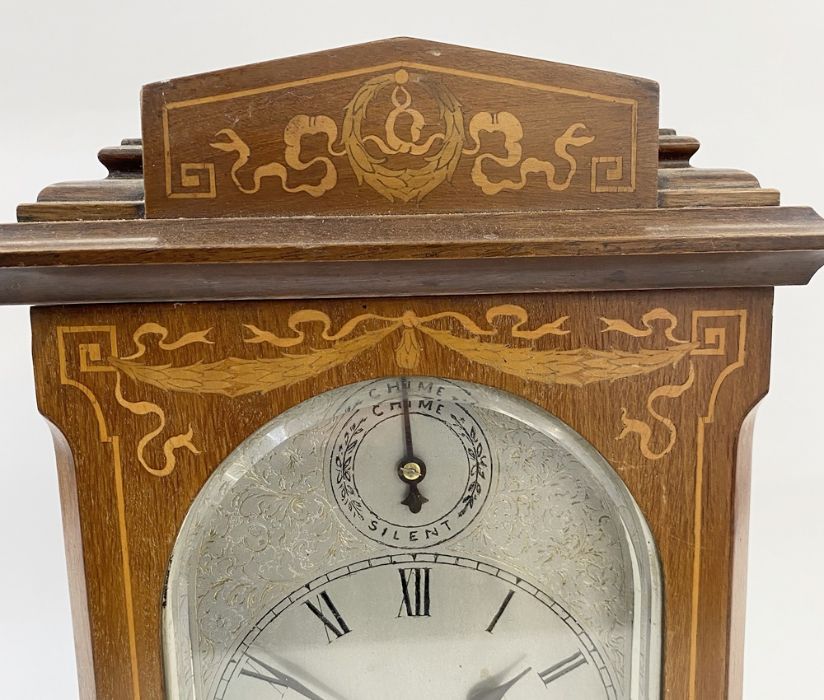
405	370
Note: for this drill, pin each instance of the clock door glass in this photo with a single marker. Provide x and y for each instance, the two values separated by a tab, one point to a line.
414	538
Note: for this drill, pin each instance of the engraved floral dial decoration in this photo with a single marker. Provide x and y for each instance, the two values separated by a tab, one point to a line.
300	567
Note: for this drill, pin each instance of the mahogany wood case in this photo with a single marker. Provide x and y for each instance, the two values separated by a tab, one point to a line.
401	207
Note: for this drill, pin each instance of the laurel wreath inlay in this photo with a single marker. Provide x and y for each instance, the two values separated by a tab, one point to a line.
406	163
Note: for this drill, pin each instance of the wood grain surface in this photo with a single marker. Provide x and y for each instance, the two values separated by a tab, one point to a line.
120	194
401	125
179	260
124	499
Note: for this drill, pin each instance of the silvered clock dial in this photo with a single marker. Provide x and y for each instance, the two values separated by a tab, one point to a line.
414	538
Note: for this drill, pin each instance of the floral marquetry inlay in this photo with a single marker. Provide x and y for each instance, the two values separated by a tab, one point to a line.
407	126
370	155
505	340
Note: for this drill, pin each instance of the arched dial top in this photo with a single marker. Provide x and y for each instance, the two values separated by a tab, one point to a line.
414	537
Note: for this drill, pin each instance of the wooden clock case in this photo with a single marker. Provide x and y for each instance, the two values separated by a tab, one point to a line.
253	250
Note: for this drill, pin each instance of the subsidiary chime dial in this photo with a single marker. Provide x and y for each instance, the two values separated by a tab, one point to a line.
414	538
379	476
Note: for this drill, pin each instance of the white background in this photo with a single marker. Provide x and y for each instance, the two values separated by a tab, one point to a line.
743	76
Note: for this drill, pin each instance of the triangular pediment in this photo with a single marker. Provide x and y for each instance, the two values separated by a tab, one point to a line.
399	126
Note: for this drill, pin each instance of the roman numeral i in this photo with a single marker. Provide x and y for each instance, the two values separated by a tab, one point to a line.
500	612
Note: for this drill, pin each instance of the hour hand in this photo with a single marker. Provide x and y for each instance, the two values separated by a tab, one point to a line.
269	674
499	691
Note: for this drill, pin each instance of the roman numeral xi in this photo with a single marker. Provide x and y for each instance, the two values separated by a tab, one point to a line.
323	608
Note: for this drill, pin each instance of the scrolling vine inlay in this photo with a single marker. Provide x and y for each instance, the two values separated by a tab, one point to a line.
504	341
438	154
406	125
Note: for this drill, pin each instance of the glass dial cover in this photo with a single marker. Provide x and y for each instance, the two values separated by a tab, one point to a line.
408	538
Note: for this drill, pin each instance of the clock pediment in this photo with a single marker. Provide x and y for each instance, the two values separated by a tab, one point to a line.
399	126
